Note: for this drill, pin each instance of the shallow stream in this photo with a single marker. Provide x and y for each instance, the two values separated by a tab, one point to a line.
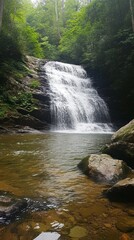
44	165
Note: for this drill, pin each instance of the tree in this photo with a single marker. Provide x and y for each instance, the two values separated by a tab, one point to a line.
132	15
1	12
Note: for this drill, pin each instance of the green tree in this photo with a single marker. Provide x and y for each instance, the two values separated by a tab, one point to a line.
1	12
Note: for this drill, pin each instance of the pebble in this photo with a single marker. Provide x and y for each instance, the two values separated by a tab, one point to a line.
124	236
78	232
125	224
107	225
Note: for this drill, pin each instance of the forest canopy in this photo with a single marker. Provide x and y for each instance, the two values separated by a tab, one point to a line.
98	34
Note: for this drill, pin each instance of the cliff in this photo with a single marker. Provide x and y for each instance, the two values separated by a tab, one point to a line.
24	102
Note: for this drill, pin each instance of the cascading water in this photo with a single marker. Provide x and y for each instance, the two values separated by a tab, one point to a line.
75	104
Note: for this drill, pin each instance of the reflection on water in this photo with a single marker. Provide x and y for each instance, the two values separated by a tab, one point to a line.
45	165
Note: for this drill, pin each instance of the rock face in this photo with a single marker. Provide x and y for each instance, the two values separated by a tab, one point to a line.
122	145
32	104
122	191
103	168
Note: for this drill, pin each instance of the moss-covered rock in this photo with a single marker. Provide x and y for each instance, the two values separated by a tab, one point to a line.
122	144
125	133
23	97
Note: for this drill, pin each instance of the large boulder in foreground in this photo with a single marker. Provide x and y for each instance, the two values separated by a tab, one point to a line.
103	168
122	145
122	191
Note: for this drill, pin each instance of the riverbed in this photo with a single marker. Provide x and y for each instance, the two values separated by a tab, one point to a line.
44	165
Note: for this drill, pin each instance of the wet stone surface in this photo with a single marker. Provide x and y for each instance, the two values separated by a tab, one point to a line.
12	208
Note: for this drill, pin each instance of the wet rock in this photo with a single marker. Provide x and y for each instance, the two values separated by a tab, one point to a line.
125	224
41	204
125	133
41	97
122	145
104	168
122	191
130	211
39	118
43	114
107	225
124	236
28	120
78	231
4	130
10	207
48	236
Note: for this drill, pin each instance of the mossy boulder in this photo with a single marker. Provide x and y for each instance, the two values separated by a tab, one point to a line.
126	133
122	144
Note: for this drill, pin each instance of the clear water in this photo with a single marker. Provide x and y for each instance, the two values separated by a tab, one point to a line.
45	165
75	104
48	161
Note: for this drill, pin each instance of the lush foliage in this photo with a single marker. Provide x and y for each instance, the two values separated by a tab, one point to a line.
96	33
101	37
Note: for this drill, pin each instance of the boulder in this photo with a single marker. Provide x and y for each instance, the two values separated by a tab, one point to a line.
122	191
103	168
126	133
122	144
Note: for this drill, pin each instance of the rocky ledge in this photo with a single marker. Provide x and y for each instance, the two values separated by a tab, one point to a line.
30	98
115	165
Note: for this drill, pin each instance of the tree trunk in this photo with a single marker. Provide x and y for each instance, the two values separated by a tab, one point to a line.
132	15
63	3
57	17
1	12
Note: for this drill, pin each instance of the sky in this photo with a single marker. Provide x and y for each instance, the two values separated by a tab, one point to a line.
34	1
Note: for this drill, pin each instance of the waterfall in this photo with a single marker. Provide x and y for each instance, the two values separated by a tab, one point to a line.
75	104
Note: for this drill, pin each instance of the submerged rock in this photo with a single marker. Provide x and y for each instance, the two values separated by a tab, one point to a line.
124	236
122	145
78	232
125	224
103	168
122	191
10	207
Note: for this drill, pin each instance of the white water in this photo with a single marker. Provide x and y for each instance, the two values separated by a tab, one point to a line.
75	104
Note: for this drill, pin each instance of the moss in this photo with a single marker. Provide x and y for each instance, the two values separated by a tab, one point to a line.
83	165
125	133
6	110
34	84
25	100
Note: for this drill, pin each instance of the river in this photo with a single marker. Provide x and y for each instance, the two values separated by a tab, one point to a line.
44	165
